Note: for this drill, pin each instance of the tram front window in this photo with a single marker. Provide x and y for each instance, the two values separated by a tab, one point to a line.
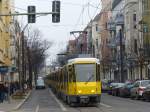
85	72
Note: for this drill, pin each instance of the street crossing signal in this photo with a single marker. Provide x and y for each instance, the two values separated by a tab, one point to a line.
56	10
31	16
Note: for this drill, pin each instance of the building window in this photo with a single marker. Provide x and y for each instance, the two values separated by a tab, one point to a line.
146	4
96	27
134	26
97	43
134	17
135	46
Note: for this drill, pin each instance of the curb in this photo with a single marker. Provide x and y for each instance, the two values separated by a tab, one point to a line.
23	101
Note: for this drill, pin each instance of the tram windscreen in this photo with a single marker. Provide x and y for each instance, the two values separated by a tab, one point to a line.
85	72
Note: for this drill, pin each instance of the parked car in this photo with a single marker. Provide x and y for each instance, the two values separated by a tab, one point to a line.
125	90
138	88
115	90
146	93
112	85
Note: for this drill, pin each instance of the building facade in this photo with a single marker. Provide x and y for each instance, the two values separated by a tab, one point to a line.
5	39
146	36
133	39
104	36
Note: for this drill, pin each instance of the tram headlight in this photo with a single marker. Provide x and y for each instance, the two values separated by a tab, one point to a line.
93	91
79	91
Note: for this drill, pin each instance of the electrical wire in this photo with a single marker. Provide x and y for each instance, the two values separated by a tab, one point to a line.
79	18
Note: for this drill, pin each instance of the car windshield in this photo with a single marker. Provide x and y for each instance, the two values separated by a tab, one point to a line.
40	82
113	84
85	72
120	84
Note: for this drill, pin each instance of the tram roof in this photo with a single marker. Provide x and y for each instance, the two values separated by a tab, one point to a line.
83	60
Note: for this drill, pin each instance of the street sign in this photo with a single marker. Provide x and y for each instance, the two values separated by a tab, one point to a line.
3	69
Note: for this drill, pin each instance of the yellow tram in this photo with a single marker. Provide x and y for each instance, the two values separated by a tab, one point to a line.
78	81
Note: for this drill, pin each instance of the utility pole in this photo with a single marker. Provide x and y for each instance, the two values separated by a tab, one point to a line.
23	63
121	57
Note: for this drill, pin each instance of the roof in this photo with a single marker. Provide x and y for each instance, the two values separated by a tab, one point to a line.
83	60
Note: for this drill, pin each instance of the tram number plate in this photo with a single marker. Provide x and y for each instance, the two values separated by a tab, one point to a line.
83	96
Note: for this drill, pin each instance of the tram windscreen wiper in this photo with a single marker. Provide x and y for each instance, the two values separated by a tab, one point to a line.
89	79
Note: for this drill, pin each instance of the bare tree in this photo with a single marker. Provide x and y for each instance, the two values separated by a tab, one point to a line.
36	53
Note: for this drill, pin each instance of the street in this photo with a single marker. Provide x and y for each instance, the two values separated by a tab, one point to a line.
45	101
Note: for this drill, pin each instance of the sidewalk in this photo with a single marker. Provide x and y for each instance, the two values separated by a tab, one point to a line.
14	104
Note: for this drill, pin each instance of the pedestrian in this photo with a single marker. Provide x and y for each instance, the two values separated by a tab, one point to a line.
2	92
6	90
11	88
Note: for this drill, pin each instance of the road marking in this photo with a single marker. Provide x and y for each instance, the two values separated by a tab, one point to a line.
37	108
105	105
60	104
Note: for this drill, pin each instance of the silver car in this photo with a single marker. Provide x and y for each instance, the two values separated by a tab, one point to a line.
138	88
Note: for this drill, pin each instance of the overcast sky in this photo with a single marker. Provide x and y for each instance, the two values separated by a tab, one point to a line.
75	14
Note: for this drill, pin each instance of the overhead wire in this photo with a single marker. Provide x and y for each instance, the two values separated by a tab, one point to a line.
79	18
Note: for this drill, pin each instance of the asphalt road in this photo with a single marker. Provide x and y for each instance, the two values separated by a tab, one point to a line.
125	104
45	101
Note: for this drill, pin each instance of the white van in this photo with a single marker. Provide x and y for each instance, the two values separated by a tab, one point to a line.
40	84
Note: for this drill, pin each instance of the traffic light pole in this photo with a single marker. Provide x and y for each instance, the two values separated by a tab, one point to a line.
21	14
121	58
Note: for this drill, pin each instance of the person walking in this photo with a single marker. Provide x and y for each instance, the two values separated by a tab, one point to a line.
6	90
2	92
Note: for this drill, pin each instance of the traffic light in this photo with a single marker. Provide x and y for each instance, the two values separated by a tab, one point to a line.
31	16
56	11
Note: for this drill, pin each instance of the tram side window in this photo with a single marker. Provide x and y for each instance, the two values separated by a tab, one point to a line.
69	76
97	72
65	76
73	74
